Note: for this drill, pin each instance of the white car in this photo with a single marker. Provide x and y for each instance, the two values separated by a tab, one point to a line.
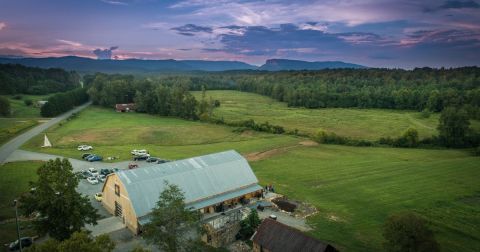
84	147
92	180
93	172
101	178
139	152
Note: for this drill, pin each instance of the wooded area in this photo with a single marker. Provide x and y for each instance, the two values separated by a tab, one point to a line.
16	79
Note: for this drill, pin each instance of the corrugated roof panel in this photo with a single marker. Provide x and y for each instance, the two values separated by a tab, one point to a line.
200	178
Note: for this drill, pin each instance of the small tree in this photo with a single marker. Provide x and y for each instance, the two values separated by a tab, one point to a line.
408	232
171	225
28	102
62	209
4	106
410	138
453	127
249	225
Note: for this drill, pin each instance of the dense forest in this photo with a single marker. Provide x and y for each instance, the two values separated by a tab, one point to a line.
150	96
15	79
418	89
63	102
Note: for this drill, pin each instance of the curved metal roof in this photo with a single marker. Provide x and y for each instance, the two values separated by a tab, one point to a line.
205	180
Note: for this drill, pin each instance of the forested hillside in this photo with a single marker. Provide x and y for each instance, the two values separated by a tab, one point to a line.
418	89
31	80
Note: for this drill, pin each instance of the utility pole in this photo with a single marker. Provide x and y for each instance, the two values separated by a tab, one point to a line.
15	202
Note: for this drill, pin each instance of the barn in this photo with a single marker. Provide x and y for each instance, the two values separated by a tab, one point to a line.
125	107
211	183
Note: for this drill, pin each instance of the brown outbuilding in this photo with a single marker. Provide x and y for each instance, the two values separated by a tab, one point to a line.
273	236
125	107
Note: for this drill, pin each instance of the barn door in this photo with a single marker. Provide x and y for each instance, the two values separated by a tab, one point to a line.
118	209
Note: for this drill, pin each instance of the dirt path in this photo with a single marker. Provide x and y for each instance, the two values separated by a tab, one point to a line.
261	155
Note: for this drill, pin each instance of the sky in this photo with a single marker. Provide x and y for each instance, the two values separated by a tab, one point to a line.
376	33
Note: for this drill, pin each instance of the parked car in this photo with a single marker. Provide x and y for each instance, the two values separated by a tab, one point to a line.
92	180
94	158
152	159
85	155
25	241
162	161
105	172
82	174
101	178
98	196
84	147
89	156
139	152
141	157
93	171
132	166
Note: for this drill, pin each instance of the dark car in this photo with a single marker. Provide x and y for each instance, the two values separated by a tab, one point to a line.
132	166
88	156
140	157
85	155
105	172
26	242
162	161
94	158
152	159
82	174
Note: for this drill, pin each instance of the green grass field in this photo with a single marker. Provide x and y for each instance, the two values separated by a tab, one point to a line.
115	134
13	182
368	124
355	189
10	127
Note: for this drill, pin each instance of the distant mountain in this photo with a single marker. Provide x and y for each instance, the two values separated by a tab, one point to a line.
138	66
285	64
87	65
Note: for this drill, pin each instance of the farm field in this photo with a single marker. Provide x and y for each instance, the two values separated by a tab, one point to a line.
115	134
368	124
13	182
356	188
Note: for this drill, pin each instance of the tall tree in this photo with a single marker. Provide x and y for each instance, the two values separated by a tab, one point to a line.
453	127
62	209
172	226
4	106
408	232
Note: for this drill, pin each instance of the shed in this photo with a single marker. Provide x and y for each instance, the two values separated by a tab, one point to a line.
273	236
125	107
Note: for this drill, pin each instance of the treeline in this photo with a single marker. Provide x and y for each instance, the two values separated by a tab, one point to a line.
150	96
418	89
16	79
63	102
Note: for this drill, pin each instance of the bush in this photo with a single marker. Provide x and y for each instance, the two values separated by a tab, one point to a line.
425	113
408	232
17	97
28	102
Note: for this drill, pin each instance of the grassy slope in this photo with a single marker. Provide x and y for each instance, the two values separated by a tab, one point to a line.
358	123
10	127
13	182
355	189
21	110
115	134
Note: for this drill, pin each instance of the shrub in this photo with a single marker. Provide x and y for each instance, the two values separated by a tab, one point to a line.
28	102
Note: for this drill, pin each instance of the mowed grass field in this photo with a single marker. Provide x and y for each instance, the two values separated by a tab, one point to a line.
14	181
20	110
115	134
356	188
368	124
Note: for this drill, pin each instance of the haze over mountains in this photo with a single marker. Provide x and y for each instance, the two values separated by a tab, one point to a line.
87	65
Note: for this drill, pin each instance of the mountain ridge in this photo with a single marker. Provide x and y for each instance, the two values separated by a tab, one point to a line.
88	65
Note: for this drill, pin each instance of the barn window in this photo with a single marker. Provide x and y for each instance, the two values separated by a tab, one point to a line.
117	190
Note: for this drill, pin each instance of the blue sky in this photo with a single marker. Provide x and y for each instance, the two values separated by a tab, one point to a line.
378	33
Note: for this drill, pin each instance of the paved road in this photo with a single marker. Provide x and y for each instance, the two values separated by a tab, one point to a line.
16	142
